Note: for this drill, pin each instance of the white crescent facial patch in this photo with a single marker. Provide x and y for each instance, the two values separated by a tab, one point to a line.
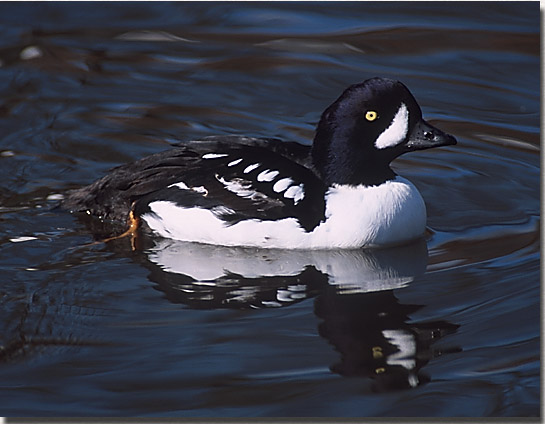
396	131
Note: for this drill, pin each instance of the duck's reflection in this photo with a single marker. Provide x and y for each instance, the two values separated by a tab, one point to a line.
353	290
372	333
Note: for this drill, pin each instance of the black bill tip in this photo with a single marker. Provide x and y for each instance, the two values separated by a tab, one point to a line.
426	136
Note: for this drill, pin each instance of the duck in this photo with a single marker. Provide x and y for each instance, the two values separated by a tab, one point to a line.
340	192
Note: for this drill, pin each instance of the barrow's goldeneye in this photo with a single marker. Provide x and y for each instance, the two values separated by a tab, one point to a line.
241	191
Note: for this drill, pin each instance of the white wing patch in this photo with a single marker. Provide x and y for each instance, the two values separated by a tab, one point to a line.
397	131
240	187
297	193
237	186
282	185
222	210
183	186
200	189
235	162
267	175
243	188
251	167
214	155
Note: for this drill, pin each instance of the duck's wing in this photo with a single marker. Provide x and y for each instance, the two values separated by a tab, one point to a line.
239	182
235	178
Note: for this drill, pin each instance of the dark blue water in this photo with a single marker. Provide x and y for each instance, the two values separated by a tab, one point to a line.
446	327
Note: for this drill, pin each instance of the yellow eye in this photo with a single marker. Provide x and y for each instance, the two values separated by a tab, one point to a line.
371	115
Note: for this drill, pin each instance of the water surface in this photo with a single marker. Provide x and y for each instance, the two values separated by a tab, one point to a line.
448	326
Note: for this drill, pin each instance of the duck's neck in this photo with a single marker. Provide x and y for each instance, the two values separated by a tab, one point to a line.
343	167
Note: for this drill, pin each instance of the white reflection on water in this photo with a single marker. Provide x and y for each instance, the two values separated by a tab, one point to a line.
357	271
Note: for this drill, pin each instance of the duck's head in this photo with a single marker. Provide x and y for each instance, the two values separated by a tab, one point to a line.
366	128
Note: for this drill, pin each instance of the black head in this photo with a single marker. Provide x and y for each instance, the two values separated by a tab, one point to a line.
367	127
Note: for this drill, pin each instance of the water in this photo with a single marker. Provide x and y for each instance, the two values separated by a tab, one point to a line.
445	327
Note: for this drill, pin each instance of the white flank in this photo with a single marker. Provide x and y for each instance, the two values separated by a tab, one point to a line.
388	214
297	193
397	131
235	162
282	184
267	175
250	168
214	155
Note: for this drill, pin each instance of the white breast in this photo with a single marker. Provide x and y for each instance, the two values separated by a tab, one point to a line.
391	213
